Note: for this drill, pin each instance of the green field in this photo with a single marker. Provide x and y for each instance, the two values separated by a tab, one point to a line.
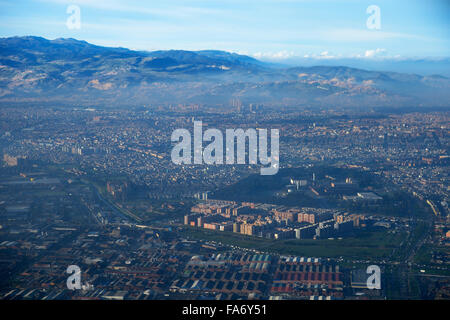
267	189
368	245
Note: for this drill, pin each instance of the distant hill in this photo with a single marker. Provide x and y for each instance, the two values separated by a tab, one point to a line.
70	71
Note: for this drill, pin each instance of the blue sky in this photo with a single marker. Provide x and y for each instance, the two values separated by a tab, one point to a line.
271	29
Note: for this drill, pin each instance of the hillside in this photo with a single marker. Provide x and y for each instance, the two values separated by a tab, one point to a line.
69	71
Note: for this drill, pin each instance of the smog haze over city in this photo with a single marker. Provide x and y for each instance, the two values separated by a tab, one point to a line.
224	150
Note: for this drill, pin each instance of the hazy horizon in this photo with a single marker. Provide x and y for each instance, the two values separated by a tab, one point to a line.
412	65
273	30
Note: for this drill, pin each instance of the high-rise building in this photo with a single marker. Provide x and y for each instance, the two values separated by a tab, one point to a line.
200	222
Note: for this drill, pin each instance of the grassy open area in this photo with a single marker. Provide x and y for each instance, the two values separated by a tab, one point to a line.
267	189
370	244
424	257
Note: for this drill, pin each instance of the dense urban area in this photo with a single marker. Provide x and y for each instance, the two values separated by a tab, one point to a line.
95	187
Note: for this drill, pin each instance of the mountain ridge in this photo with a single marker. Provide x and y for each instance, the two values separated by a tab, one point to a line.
66	69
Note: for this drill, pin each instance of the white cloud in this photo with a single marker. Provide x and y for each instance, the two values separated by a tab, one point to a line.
274	55
378	53
322	55
325	55
374	53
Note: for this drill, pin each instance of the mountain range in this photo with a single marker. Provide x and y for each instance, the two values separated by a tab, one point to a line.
74	72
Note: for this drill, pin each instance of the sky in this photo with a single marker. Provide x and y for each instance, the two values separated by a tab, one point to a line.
265	29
